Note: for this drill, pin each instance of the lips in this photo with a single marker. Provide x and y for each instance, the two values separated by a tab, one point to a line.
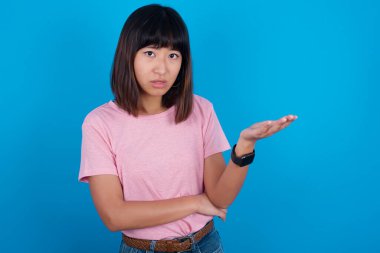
158	83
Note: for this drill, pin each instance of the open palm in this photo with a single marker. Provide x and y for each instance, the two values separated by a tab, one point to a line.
266	128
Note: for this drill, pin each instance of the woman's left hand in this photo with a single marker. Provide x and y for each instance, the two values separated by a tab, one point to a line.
266	128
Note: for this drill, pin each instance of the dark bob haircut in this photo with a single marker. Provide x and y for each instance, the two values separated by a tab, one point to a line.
161	26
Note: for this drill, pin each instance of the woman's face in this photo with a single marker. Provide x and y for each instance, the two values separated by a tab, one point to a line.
156	69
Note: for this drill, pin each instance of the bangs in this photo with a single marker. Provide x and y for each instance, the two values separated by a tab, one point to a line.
162	31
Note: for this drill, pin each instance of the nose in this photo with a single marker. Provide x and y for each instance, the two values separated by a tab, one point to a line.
161	66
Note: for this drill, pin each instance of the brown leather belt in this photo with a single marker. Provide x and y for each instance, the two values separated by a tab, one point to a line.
169	245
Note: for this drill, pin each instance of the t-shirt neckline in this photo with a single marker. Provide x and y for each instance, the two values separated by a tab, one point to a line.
152	116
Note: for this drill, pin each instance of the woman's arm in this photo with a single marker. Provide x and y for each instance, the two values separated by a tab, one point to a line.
118	214
223	183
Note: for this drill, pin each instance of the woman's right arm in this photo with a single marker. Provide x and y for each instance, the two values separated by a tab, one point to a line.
118	214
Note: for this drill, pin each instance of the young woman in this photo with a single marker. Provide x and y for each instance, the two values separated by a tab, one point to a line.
153	155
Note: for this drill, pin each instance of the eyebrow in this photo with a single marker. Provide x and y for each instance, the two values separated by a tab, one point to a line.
155	47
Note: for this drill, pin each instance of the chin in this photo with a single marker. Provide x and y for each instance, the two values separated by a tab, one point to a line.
156	92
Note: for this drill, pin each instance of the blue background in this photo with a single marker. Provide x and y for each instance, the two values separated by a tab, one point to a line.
314	187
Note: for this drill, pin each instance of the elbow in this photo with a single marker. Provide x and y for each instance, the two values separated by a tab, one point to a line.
115	220
111	222
112	227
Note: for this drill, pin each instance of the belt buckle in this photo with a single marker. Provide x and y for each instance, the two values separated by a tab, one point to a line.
189	246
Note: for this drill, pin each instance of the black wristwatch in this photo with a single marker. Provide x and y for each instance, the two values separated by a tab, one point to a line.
243	160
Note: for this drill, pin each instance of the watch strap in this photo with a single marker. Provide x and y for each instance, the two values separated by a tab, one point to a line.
243	160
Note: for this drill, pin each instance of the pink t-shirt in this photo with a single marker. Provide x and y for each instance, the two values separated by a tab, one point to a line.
153	158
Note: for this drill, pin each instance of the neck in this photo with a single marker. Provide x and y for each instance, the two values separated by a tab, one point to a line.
150	105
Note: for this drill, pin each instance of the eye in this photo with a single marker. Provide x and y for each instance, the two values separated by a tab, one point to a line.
176	56
147	53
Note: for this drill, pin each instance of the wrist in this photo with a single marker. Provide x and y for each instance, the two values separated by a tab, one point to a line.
195	203
244	147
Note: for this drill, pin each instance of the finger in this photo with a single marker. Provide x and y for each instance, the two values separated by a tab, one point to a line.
268	124
285	125
282	120
269	127
285	121
276	127
260	124
288	117
289	120
291	117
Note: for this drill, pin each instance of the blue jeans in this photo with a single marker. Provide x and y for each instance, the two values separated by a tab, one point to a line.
210	243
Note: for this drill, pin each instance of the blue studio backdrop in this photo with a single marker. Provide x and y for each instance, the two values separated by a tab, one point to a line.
313	187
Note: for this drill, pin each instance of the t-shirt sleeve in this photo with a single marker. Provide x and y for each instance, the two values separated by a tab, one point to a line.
96	154
214	138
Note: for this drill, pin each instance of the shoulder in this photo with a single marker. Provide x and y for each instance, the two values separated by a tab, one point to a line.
202	102
99	114
203	108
